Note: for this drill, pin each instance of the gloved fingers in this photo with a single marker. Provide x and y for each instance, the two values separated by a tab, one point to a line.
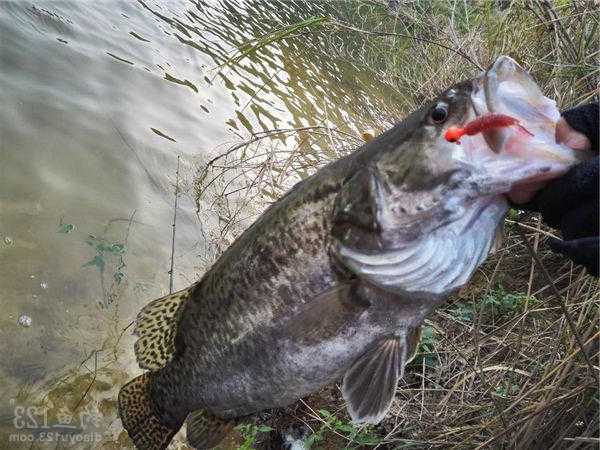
584	251
522	196
578	129
581	221
580	184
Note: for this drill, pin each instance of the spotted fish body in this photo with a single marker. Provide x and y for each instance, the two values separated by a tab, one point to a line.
335	278
279	307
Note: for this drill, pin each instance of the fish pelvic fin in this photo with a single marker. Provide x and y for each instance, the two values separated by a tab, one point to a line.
205	430
139	418
369	386
156	326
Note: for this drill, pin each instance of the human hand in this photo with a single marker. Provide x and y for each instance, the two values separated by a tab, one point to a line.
565	134
571	203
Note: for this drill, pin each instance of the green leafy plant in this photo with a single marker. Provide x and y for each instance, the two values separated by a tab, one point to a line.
358	437
106	249
495	304
462	311
427	346
316	437
501	303
65	228
249	432
506	390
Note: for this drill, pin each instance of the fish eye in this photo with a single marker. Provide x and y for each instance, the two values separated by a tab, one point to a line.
439	113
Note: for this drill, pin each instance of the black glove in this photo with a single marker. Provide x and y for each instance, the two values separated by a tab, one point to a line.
571	203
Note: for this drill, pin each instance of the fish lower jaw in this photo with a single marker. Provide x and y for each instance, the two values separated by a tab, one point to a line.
503	178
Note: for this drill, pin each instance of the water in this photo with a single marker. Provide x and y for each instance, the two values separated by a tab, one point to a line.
98	99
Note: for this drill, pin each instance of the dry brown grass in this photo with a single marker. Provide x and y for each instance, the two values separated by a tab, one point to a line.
508	379
556	41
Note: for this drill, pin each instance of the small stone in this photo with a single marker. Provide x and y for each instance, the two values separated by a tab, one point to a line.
44	285
24	320
8	241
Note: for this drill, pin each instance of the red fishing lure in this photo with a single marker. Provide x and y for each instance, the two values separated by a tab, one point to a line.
482	123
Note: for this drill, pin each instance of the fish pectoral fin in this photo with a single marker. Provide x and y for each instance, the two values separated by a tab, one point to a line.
369	385
326	314
156	326
205	430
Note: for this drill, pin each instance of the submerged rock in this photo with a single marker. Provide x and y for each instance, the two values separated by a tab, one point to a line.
24	320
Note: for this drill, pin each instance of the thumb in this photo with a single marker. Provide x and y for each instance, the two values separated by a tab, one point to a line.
566	134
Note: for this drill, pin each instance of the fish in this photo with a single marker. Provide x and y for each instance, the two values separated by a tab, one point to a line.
333	281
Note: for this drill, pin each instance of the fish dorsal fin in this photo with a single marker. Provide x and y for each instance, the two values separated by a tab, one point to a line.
369	385
156	326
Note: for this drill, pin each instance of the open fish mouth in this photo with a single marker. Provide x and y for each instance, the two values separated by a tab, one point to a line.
520	149
427	230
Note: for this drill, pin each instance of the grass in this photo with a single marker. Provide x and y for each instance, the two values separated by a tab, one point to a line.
492	306
356	437
556	41
250	432
508	372
499	366
252	47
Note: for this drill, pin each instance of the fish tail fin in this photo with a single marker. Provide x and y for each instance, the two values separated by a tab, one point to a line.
156	326
205	430
138	414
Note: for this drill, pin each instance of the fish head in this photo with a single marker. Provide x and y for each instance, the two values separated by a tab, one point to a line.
525	154
497	158
422	213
